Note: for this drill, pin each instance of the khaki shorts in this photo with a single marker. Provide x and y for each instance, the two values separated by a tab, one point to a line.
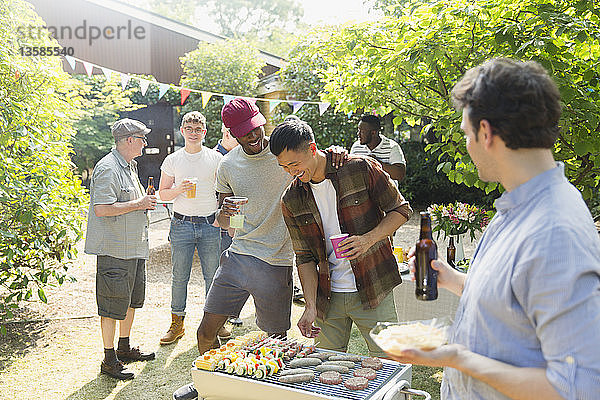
120	284
346	308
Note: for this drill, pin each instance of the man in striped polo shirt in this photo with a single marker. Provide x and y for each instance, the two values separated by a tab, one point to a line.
373	144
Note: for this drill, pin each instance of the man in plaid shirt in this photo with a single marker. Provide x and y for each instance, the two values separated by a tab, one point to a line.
358	199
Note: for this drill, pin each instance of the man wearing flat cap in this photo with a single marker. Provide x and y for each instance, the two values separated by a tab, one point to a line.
117	233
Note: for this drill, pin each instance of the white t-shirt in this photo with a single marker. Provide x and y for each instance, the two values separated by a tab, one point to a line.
202	165
342	277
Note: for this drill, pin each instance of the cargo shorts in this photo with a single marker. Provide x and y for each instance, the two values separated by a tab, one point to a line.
120	284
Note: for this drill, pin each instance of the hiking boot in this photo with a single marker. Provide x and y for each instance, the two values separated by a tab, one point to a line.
223	333
186	392
134	354
116	370
175	331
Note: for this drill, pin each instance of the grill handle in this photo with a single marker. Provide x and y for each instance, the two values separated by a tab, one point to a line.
404	388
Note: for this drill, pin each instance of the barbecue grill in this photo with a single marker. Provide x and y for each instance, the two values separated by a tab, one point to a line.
392	383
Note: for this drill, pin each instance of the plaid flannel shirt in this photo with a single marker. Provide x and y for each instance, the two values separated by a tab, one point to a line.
364	193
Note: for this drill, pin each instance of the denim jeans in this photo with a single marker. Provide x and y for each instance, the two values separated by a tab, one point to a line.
187	237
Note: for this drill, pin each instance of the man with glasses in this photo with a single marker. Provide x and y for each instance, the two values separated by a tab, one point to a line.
117	233
188	178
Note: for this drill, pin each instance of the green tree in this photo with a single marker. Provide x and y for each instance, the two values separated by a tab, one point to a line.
42	203
230	67
409	61
103	101
302	81
269	25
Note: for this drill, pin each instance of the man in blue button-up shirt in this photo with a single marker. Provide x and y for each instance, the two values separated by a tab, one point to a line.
528	321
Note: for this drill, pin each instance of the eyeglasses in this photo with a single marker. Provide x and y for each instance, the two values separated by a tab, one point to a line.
142	137
198	131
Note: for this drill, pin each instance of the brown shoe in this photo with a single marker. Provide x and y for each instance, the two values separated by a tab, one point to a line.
223	333
134	354
116	370
175	331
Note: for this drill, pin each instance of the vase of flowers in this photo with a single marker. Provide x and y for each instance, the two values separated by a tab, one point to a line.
459	220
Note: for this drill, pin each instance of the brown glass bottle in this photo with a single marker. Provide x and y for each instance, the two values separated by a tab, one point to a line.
426	250
451	253
150	189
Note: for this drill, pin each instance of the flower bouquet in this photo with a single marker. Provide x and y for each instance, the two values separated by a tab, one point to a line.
457	218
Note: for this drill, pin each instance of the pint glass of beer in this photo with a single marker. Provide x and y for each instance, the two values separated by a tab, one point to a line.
191	193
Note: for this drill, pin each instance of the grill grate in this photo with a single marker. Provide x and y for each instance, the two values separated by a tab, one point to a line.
389	370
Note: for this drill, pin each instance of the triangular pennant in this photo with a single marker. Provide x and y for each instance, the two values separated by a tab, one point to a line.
184	94
205	98
89	67
162	89
227	99
296	105
71	62
323	107
107	72
273	104
144	86
124	80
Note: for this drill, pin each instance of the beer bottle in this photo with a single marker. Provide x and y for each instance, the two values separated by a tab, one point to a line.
426	250
451	253
150	189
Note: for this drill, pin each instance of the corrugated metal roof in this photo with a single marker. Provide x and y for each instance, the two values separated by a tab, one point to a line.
176	26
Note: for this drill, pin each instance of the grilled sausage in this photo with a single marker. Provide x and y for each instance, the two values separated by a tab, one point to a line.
348	364
295	371
305	362
297	378
345	357
331	367
322	356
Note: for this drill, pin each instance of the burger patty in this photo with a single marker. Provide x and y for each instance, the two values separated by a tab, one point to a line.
356	383
368	373
373	363
331	377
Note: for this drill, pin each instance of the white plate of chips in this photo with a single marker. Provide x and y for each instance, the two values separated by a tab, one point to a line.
395	337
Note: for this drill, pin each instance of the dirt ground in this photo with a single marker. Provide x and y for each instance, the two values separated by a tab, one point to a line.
54	350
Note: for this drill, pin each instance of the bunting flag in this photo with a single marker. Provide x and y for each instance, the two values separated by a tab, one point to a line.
124	80
162	89
297	105
273	104
144	83
184	94
205	98
107	72
89	67
323	107
71	62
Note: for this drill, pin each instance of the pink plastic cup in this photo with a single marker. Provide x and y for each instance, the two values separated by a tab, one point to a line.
335	241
